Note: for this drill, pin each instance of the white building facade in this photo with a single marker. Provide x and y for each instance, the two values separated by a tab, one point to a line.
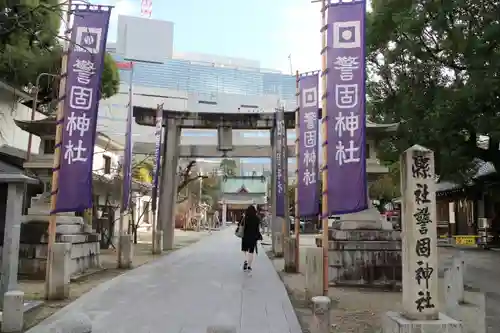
10	109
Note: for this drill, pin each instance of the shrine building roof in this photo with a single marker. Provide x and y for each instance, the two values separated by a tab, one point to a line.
244	185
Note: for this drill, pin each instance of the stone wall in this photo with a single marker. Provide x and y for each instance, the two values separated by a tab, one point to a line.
85	250
364	257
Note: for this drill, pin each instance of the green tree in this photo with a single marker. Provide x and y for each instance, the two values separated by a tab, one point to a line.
143	171
29	45
434	67
387	187
228	166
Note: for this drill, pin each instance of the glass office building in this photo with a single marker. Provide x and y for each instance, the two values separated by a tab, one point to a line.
209	78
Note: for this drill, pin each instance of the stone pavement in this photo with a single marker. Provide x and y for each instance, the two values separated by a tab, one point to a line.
188	290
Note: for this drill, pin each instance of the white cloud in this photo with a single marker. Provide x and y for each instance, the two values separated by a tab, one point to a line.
122	7
300	36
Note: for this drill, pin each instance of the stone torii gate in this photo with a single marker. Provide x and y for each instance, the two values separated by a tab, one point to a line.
172	150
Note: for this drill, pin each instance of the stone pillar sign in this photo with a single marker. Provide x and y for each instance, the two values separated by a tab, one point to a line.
419	250
419	243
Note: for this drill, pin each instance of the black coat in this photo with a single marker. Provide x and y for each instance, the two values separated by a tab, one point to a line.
251	229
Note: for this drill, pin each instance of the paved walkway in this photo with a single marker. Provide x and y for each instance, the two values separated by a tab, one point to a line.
188	290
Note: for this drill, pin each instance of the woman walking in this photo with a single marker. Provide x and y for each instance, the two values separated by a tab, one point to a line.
251	234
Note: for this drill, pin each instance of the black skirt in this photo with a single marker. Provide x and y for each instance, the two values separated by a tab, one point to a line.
248	244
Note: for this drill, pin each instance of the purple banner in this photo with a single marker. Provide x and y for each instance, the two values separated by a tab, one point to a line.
127	158
281	160
81	104
347	188
156	165
307	184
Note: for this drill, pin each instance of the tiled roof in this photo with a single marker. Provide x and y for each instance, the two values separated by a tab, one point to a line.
251	185
484	169
10	169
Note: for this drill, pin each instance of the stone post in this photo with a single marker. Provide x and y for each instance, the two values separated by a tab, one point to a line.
168	186
12	232
289	253
320	320
419	242
158	242
314	272
58	287
127	251
13	314
278	244
458	266
419	249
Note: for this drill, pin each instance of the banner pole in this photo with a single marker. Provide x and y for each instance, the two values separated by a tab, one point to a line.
324	129
123	189
297	157
57	155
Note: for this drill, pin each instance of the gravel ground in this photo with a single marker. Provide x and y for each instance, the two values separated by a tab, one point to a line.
358	310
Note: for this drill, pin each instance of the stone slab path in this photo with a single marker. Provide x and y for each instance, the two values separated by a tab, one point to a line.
187	291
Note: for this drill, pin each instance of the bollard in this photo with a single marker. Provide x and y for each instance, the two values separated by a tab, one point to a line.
58	286
320	320
459	270
13	311
450	293
289	253
157	241
221	329
314	272
278	245
127	251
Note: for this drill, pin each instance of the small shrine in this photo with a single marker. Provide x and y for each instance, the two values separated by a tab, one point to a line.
70	228
240	192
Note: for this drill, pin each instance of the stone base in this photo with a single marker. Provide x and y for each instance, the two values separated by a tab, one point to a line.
364	257
85	247
369	219
394	322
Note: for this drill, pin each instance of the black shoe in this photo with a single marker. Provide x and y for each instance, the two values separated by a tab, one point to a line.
249	268
245	266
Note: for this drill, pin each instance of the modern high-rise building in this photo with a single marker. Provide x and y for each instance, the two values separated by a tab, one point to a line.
194	82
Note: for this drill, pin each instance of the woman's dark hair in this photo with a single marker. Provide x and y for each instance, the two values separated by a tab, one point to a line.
251	211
